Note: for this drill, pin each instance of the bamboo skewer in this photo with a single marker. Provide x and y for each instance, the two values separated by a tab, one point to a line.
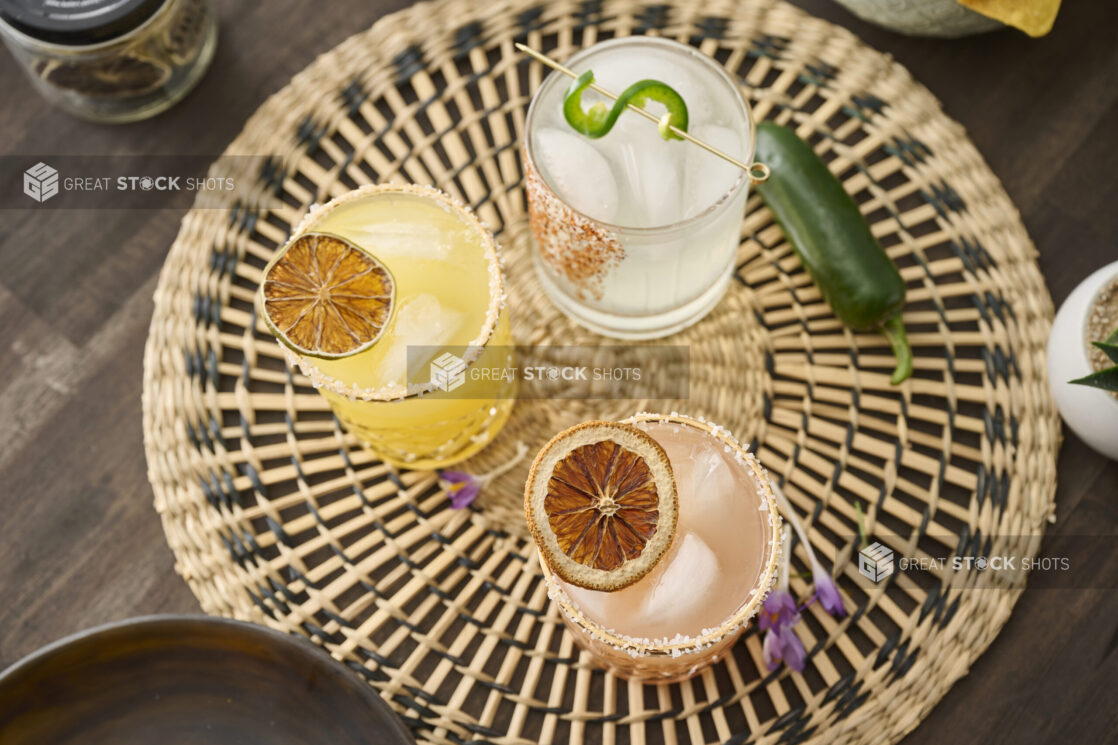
757	172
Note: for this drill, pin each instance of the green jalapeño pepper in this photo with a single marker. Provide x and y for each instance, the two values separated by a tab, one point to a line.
823	224
599	119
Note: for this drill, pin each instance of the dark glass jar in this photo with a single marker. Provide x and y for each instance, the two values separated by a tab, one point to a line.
111	60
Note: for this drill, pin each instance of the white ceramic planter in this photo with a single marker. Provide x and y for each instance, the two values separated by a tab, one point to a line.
1091	413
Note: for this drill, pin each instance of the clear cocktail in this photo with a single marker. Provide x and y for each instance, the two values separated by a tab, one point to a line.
636	236
697	598
439	286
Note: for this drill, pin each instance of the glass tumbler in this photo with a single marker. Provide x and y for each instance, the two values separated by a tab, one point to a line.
636	237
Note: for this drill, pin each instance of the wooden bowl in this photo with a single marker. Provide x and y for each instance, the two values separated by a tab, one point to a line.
189	680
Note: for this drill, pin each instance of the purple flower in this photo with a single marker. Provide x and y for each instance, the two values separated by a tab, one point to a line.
462	488
826	592
778	615
779	609
783	644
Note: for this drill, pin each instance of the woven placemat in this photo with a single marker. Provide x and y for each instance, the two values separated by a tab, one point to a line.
276	516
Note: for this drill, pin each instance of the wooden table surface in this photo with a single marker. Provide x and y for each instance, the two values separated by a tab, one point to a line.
80	543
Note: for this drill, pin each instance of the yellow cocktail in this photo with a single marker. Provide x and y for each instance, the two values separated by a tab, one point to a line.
376	286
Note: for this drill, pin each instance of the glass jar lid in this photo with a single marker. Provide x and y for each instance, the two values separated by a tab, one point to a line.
77	22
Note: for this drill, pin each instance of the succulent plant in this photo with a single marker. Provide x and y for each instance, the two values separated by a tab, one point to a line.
1107	378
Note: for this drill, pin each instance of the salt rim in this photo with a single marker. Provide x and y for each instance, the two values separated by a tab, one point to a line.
682	644
497	293
574	247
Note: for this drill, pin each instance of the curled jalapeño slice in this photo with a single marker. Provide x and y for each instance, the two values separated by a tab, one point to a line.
599	119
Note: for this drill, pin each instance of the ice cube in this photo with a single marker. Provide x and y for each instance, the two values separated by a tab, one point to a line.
684	584
576	172
649	172
706	176
421	321
711	489
712	481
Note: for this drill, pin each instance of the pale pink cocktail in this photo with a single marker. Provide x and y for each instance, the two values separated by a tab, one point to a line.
700	596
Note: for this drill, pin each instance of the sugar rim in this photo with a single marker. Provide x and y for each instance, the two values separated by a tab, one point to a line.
682	644
497	293
725	198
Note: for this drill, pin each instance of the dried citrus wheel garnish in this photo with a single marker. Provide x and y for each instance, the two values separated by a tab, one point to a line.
325	297
601	504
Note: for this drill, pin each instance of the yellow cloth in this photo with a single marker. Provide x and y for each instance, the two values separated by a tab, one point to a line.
1034	17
